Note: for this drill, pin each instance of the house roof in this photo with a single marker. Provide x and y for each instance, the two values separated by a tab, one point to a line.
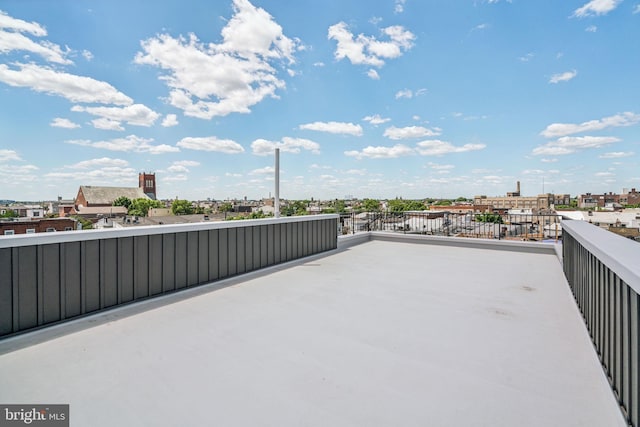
106	195
96	210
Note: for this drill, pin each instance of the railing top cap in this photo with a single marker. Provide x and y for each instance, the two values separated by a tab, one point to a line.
620	254
19	240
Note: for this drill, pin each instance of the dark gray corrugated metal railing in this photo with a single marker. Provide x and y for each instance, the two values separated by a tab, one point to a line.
48	278
603	270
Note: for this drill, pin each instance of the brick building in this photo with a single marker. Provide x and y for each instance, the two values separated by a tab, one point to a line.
627	197
90	196
24	226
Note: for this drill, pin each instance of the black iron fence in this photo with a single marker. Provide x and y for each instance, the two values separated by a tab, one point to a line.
529	227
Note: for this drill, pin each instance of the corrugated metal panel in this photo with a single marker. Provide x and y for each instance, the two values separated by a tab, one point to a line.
90	275
50	283
155	264
6	292
168	262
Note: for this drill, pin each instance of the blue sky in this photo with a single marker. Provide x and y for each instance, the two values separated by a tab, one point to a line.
392	98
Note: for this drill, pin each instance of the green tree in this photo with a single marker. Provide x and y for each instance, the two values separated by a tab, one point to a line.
443	202
489	217
140	207
295	208
225	207
181	207
371	205
9	214
122	201
399	205
86	224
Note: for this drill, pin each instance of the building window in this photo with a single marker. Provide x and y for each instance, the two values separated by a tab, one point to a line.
50	229
36	213
9	232
68	229
31	230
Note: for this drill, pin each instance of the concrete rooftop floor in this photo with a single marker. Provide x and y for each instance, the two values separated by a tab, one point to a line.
381	334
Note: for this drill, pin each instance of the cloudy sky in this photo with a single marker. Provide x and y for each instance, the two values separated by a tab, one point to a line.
409	98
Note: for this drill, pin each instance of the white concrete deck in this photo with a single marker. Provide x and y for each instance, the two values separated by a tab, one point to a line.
381	334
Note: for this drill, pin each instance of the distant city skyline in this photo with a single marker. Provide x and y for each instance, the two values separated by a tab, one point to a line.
397	98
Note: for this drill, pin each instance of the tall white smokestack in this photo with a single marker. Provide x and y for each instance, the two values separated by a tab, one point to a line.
276	204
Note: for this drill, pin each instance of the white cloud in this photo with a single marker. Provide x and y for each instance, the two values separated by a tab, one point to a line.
87	55
373	74
6	155
267	170
572	144
182	166
170	120
13	39
636	9
411	132
367	50
318	64
371	152
136	114
262	147
334	127
549	160
480	27
526	58
63	123
591	29
376	119
617	155
563	77
8	22
190	163
359	172
175	177
604	174
208	80
177	169
103	175
438	148
211	143
72	87
405	93
437	166
596	7
107	124
618	120
18	173
130	143
98	163
399	6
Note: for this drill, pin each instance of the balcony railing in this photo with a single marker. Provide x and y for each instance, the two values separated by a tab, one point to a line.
52	277
603	270
527	227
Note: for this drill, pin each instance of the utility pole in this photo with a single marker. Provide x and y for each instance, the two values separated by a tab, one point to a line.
276	204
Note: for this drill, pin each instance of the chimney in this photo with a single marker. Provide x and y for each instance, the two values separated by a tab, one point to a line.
518	187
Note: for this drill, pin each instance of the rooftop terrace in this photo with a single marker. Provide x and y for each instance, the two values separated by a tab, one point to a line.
385	330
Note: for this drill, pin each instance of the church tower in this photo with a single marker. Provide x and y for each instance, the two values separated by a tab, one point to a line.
147	181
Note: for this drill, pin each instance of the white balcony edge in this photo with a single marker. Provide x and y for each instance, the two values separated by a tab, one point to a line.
20	240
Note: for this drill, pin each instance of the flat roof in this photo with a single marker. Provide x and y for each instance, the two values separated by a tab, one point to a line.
381	333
